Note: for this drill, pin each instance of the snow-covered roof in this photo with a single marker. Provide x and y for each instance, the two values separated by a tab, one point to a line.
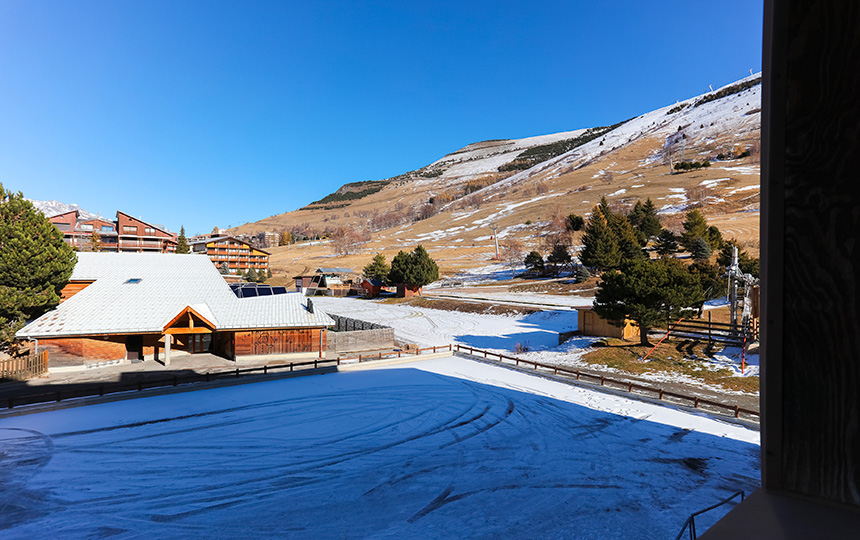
143	292
334	271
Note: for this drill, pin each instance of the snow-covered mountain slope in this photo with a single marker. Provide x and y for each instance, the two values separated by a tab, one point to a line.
681	125
52	208
486	157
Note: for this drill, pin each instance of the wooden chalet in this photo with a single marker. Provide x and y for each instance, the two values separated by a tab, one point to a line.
136	306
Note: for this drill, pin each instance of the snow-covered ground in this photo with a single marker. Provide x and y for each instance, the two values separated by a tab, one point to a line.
536	333
429	327
445	448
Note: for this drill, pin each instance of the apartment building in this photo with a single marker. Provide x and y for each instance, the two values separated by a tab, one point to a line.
125	234
238	254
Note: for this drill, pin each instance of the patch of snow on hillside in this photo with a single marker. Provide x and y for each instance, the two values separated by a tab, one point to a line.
508	208
619	192
743	169
712	183
745	188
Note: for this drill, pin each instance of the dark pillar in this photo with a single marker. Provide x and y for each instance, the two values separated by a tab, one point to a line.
811	254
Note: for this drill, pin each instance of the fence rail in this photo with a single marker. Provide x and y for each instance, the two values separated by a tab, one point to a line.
631	387
95	389
712	331
21	369
690	524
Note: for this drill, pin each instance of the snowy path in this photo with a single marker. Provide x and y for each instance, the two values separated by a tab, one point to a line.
418	451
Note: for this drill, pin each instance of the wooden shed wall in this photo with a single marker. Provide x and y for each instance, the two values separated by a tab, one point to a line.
299	340
590	323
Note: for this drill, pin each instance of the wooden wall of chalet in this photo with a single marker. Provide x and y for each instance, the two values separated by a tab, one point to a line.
286	341
811	263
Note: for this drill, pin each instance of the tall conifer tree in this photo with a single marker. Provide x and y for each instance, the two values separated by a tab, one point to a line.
35	264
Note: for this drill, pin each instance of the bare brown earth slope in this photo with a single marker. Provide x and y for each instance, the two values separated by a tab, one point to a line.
450	205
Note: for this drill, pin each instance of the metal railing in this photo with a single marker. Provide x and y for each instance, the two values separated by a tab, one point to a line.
690	524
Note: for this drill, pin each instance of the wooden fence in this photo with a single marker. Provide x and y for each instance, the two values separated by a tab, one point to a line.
27	367
714	332
101	389
627	386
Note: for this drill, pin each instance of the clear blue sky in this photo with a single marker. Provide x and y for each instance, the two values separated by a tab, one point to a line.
216	113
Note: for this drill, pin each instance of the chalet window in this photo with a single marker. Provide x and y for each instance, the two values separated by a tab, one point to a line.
149	230
107	228
86	227
129	229
62	226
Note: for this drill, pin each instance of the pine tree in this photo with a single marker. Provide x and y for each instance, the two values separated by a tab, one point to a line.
667	243
601	248
559	255
582	274
425	269
647	292
377	268
182	242
224	269
695	227
627	239
701	250
261	276
414	269
714	238
268	273
251	275
534	262
35	264
649	223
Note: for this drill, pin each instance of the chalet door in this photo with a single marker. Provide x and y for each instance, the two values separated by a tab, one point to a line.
134	348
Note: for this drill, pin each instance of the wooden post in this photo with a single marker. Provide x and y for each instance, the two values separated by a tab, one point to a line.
710	344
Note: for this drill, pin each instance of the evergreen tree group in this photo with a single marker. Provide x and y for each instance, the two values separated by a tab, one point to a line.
611	238
414	269
648	293
35	264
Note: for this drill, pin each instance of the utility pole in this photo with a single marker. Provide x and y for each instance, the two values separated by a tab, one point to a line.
496	241
734	273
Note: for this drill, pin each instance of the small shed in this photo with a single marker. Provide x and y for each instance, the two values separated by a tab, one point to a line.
372	287
407	291
590	323
303	282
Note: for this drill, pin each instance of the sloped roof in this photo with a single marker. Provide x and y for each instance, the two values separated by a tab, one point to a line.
168	283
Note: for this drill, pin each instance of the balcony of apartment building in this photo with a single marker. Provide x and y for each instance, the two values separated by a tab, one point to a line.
137	244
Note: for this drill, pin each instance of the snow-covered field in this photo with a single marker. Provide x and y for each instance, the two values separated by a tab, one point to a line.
446	448
429	327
